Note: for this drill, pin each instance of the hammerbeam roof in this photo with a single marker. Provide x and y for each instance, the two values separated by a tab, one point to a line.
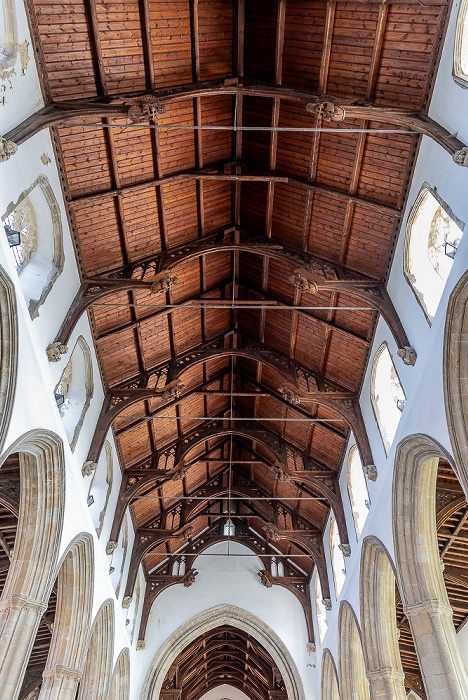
188	238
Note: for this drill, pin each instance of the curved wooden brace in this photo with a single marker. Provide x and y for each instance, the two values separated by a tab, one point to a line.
118	106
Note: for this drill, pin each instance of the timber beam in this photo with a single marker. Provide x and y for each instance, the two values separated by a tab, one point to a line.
142	107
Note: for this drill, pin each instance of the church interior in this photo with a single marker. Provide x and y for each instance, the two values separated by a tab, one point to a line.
233	350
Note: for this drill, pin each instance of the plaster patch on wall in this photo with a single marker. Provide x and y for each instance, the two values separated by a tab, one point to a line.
24	56
6	75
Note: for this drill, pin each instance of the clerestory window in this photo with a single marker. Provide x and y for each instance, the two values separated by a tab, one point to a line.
357	490
387	396
460	52
33	230
321	610
74	390
432	238
8	34
337	558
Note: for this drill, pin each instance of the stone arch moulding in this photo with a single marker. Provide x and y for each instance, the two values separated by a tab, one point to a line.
35	555
353	680
379	633
223	615
329	682
57	259
419	572
67	654
95	683
456	376
8	351
120	686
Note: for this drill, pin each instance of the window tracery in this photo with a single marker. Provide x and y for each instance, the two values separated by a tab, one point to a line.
432	239
387	396
74	390
337	558
321	610
33	229
357	491
460	52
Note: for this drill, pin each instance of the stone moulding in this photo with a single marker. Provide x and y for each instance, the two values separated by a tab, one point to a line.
223	615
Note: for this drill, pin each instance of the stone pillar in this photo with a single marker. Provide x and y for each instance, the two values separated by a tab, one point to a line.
60	684
440	659
19	620
386	684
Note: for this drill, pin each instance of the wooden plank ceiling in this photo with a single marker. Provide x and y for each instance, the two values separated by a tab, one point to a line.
337	195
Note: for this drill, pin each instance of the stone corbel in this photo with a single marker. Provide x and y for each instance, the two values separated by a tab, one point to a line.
408	355
55	351
111	547
345	549
140	645
326	602
126	602
370	470
7	149
460	157
88	468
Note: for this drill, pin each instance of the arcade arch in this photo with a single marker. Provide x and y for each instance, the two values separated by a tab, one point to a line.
329	678
353	681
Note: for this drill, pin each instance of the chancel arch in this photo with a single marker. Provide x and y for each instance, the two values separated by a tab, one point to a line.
221	616
67	655
378	622
33	226
32	571
74	390
420	563
97	675
329	677
353	681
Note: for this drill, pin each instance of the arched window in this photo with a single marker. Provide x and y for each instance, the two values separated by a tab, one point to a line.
33	228
8	34
74	391
433	235
100	488
321	610
229	529
357	490
460	52
337	559
118	558
387	396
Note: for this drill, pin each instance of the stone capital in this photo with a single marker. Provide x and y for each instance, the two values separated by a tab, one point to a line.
22	603
432	607
62	672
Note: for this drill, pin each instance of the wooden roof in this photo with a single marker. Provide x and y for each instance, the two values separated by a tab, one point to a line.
225	218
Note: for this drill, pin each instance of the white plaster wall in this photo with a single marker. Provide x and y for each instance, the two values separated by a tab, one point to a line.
235	581
20	92
225	692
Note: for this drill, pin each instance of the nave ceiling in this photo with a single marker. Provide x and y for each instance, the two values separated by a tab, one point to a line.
190	242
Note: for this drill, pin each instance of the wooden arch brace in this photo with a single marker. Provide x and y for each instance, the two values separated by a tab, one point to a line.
156	275
119	106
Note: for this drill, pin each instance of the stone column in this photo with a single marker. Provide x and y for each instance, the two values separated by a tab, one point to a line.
440	658
19	620
60	684
386	684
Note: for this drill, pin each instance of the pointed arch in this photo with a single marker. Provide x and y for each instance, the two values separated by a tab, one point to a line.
419	572
455	375
378	622
97	673
120	687
67	654
97	485
215	617
353	681
357	491
329	682
8	351
35	555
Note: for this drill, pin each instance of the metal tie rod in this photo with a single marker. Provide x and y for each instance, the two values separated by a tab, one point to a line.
191	127
233	498
207	418
273	307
